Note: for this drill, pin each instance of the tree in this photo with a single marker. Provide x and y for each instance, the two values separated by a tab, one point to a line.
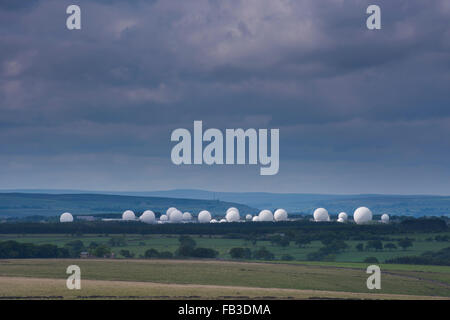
126	253
390	246
151	254
117	241
185	250
405	243
375	244
279	240
240	253
360	247
93	245
284	242
263	254
101	251
204	253
302	241
187	241
75	247
371	260
166	255
334	246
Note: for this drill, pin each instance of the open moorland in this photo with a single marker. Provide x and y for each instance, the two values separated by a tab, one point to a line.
283	260
192	279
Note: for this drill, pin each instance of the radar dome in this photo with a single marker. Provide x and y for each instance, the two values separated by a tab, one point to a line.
66	217
233	209
176	216
147	217
340	220
248	217
204	216
187	216
232	215
265	215
255	219
385	218
169	211
223	220
280	215
343	216
362	215
321	214
128	215
163	218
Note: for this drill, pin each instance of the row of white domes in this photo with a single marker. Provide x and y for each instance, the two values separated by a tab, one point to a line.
360	216
204	216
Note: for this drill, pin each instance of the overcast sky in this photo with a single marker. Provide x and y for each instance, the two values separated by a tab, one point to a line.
359	111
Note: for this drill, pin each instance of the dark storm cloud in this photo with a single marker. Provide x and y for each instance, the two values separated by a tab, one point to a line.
139	69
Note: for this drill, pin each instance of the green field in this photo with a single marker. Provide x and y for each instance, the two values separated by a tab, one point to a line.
215	279
138	244
221	278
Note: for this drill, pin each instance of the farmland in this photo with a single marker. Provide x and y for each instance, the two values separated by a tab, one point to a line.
149	262
201	278
138	244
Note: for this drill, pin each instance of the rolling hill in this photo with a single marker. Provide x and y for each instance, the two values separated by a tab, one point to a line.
406	205
30	204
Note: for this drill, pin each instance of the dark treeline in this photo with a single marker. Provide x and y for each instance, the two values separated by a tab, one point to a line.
307	228
16	250
440	258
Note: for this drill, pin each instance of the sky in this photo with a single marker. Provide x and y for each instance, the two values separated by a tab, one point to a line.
359	111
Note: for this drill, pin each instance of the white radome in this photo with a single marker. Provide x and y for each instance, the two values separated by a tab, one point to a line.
163	218
128	215
265	215
343	216
187	216
66	217
280	215
169	211
321	214
223	220
176	216
248	217
232	215
255	219
147	217
213	221
362	215
233	209
204	216
385	218
340	220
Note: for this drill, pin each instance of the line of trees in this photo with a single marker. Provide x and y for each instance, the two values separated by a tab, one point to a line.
377	245
440	258
330	248
305	228
258	254
187	249
17	250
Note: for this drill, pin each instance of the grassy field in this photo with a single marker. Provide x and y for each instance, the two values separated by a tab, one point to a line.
216	279
139	244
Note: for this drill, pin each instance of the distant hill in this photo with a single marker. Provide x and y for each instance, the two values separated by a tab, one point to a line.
412	205
32	204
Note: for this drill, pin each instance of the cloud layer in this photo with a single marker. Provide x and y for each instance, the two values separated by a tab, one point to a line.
95	108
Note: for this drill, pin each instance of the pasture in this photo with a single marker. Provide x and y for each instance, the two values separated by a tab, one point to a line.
138	244
191	279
